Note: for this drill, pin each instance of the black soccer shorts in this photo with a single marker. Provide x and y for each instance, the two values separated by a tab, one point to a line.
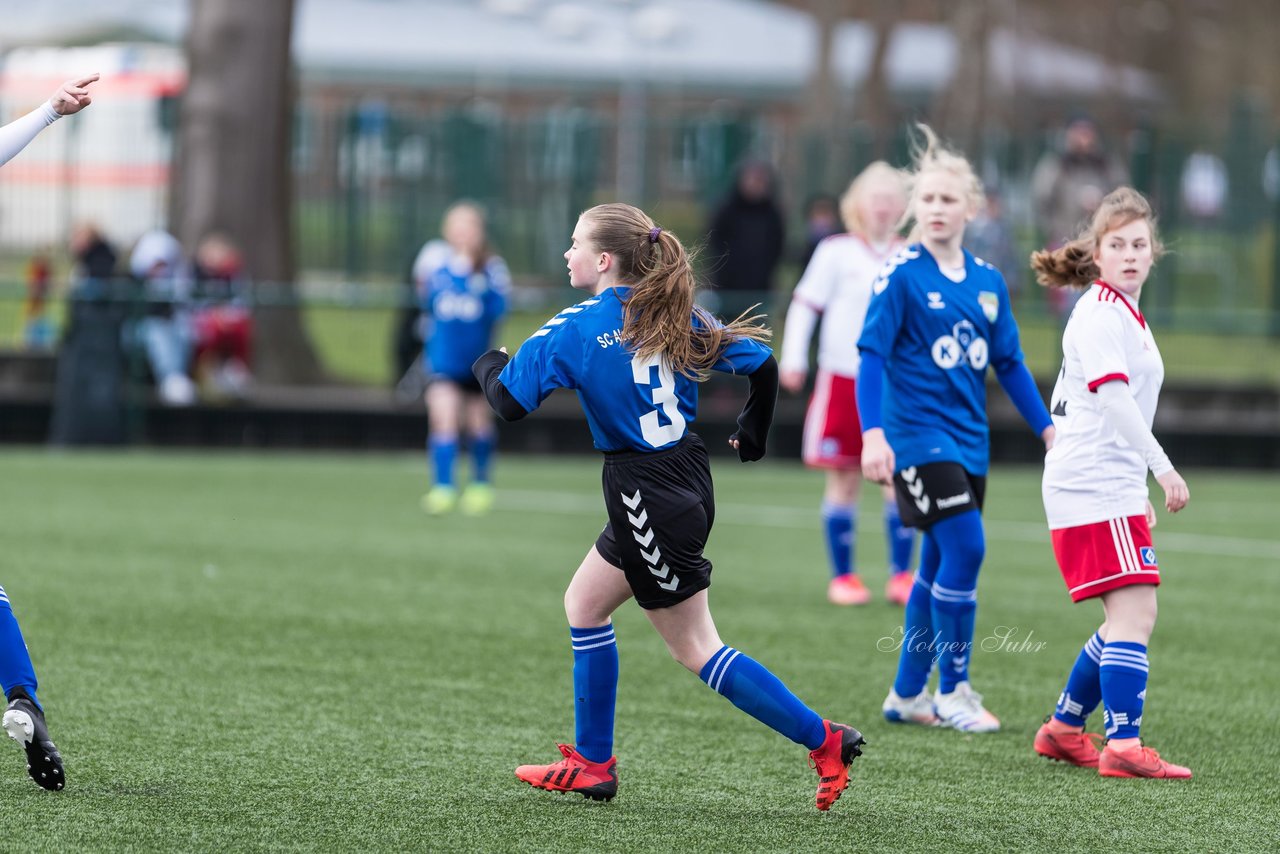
661	507
935	491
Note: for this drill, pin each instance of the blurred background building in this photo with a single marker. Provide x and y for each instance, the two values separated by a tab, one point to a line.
540	108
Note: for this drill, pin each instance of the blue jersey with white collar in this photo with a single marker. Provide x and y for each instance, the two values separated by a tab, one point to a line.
937	338
463	306
630	404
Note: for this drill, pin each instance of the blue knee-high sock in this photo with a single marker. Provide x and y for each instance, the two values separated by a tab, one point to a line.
443	453
900	538
1084	688
840	523
1122	671
955	594
915	659
482	448
16	670
752	688
595	690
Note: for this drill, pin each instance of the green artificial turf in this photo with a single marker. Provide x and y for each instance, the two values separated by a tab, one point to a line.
281	652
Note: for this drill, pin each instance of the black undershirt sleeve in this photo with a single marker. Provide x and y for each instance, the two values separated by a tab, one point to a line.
757	415
486	370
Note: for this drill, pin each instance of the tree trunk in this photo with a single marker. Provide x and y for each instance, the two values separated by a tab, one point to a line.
232	172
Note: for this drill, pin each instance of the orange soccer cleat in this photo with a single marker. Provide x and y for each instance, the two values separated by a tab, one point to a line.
1140	761
898	589
848	589
574	773
831	761
1075	748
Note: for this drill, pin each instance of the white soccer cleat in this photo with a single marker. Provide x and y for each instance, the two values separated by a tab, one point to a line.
910	710
962	709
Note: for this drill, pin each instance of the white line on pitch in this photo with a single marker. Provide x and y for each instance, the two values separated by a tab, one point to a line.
763	515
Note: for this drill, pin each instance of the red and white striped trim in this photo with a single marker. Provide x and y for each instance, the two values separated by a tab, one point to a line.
1107	293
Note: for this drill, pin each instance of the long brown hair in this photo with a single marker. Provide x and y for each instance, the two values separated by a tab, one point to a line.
1071	265
658	312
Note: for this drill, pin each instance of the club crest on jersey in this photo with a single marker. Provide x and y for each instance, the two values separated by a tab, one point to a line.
1148	556
990	305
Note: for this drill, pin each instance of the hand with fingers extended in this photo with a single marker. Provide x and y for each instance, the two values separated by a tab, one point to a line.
73	95
1176	494
1151	516
877	457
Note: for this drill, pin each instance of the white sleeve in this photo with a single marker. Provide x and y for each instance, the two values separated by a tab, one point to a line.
433	255
807	304
1122	414
18	133
801	319
1100	346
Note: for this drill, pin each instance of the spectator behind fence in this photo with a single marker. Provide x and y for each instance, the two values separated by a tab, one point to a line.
1067	187
821	220
222	326
93	261
164	332
37	326
746	240
989	236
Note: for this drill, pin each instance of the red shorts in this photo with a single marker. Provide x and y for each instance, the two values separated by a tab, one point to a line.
832	431
1102	556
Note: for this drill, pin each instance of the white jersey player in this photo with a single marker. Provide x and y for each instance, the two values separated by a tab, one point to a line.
835	291
1095	484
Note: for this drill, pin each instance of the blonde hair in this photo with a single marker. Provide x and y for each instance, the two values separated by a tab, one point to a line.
466	206
934	155
852	198
1071	265
657	313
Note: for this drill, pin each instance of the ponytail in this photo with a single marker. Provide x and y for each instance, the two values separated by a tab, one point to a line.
657	313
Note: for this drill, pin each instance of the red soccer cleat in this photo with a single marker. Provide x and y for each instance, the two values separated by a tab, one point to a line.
1075	748
1139	761
848	589
898	589
831	761
574	773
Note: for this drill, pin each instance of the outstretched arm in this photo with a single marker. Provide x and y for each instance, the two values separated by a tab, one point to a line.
71	97
757	415
1021	388
486	370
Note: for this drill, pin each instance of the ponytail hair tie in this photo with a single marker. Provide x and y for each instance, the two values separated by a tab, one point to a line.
653	234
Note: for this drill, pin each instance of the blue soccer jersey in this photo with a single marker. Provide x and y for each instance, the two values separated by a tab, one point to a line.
463	305
937	337
631	403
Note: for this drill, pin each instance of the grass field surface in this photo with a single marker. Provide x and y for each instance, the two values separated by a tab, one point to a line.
252	652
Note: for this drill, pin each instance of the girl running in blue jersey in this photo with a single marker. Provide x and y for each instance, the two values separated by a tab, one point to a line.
938	319
463	289
24	716
634	352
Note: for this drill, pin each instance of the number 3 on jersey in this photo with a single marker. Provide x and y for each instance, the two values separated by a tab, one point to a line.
664	398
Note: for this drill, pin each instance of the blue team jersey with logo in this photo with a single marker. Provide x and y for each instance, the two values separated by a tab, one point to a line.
937	338
463	305
631	404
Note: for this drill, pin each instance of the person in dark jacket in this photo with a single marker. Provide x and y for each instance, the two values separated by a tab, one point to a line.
746	240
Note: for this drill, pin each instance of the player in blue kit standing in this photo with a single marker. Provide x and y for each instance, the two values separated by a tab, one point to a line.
24	716
634	352
463	289
938	318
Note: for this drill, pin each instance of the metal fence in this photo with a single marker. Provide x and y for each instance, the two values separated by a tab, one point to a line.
372	181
